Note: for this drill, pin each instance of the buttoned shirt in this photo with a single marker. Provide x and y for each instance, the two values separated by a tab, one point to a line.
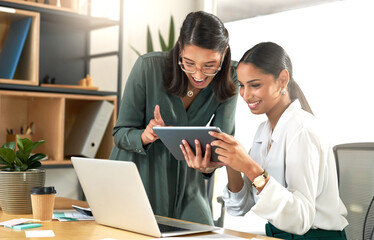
302	191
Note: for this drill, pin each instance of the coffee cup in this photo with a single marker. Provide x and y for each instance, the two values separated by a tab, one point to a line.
42	201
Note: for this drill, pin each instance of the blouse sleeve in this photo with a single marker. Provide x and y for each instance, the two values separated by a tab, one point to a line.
238	204
131	117
292	208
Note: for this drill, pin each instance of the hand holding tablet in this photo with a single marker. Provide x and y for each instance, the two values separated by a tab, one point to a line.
172	137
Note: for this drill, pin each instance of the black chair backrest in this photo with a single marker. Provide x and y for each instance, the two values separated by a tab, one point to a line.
368	233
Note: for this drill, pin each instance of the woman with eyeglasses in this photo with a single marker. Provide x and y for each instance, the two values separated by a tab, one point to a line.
192	85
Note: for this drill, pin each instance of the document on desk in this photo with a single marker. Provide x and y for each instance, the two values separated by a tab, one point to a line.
70	215
39	233
210	237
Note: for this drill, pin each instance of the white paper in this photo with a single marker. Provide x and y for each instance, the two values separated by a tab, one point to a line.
211	237
39	233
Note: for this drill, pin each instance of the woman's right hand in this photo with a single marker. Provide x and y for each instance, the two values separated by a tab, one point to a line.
148	135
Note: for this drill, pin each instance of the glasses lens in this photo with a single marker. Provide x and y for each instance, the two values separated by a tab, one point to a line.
209	71
188	67
191	68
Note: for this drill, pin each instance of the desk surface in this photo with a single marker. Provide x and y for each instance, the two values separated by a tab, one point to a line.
88	229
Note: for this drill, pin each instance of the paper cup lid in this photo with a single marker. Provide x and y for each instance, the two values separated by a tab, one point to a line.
43	190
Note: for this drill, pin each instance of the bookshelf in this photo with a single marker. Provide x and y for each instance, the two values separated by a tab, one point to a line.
63	52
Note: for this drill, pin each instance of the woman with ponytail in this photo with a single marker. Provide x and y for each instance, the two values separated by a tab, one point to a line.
289	177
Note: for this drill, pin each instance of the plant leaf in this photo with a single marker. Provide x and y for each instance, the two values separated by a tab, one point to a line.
35	164
171	33
19	143
8	155
22	156
25	145
136	51
3	162
149	40
11	145
37	144
24	167
18	161
162	42
35	157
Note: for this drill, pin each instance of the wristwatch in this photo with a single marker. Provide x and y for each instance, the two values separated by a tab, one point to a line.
260	181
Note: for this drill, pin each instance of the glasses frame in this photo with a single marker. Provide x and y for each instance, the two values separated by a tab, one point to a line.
201	69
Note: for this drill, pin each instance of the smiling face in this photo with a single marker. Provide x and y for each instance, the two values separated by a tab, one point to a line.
262	92
194	57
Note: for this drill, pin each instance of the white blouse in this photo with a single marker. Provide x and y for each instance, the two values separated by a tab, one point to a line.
302	192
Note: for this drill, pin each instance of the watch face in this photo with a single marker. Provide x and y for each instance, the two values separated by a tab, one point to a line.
259	181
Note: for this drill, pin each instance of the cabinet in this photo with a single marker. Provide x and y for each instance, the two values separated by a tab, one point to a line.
64	53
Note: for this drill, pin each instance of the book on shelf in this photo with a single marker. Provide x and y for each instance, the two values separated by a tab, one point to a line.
12	47
88	130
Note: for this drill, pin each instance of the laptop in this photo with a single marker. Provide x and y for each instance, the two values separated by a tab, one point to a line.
117	198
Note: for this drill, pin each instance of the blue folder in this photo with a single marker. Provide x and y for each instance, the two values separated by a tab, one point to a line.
12	47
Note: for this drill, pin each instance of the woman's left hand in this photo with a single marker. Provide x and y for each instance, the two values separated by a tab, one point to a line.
198	162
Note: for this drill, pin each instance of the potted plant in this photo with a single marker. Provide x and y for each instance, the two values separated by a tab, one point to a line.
19	174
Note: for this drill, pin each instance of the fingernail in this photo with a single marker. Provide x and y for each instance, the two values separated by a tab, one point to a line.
208	146
196	142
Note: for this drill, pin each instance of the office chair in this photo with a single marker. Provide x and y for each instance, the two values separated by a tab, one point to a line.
355	167
210	189
368	233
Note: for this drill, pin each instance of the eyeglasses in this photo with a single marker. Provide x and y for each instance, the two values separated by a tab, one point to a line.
207	71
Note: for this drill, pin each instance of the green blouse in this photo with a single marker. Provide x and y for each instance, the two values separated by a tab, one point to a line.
174	189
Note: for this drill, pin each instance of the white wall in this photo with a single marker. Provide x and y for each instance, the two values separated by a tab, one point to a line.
331	47
138	14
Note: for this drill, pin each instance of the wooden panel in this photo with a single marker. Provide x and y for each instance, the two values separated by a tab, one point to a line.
48	117
27	71
13	115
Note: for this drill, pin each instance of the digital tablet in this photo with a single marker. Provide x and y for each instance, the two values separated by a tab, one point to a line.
172	137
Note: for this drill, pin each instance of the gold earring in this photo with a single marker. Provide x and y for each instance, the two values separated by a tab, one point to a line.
283	92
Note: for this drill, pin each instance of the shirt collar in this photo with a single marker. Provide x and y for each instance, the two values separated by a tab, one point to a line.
282	122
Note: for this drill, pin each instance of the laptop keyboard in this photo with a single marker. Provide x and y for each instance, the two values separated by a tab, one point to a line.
167	228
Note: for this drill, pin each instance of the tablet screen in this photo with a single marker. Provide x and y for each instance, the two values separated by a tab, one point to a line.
172	137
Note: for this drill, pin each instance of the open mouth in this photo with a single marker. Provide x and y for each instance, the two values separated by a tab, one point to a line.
199	82
253	105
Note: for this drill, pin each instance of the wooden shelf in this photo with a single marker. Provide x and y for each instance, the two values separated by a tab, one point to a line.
42	5
16	87
62	15
27	71
63	48
53	115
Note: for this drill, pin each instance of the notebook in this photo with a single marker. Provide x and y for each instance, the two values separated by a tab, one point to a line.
117	198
